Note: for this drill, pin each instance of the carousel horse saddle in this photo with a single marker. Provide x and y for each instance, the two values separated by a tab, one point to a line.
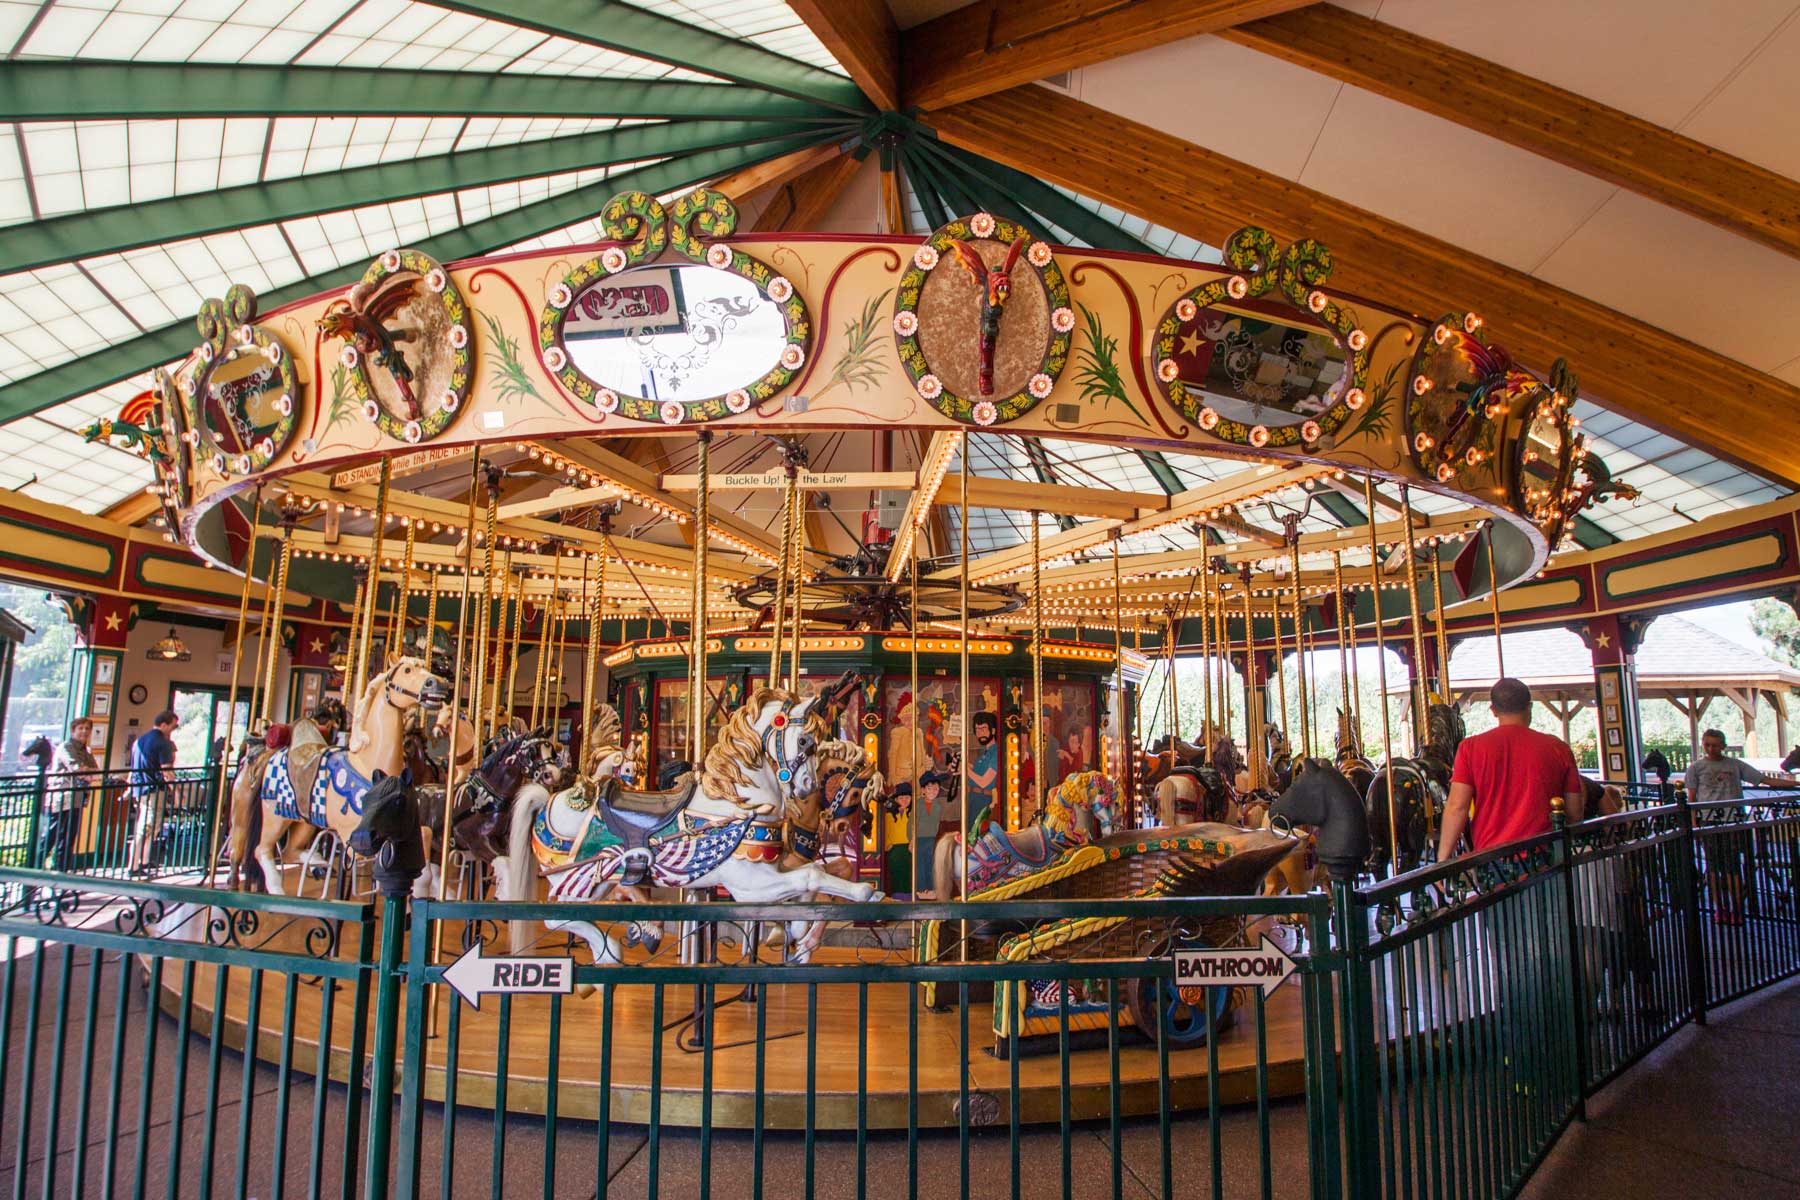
303	762
633	817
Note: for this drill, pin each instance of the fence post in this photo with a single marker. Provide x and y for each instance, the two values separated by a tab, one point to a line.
396	867
1565	861
1687	894
1362	1167
34	826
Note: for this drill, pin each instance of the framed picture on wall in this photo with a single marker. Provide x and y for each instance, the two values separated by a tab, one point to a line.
1612	713
1609	687
103	672
102	703
1614	737
1615	763
97	739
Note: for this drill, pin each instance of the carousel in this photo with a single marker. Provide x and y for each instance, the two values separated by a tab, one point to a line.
702	564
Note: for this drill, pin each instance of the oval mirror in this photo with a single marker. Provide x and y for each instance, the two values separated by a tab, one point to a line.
1256	364
1541	471
674	333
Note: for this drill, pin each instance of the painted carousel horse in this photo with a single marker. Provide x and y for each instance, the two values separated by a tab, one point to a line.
1350	761
485	811
1421	787
324	786
1302	869
1322	800
1200	793
722	828
1079	809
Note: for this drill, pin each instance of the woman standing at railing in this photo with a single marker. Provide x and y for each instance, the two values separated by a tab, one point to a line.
65	798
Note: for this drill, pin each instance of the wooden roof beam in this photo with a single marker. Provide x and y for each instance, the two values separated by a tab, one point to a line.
862	36
1697	395
1533	115
803	203
993	45
986	491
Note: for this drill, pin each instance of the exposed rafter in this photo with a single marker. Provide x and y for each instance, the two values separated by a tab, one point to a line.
1643	372
632	30
86	89
171	342
742	184
119	227
803	203
862	36
1040	466
992	45
1536	116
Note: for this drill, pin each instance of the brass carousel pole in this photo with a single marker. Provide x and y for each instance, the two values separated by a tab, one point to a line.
1418	680
516	640
1494	604
1119	677
1039	769
1206	652
548	609
429	641
456	698
968	737
1387	732
796	626
1252	753
220	793
262	650
495	662
372	596
918	742
1443	641
781	578
1174	688
396	634
484	609
1362	740
274	638
1222	639
697	696
1300	676
1344	693
596	608
1280	667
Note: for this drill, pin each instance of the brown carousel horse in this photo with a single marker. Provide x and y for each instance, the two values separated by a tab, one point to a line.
1201	792
1421	787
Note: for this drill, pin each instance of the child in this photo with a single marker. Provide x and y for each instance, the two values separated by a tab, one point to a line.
897	839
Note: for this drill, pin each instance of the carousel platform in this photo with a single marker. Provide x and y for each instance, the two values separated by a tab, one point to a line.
576	1073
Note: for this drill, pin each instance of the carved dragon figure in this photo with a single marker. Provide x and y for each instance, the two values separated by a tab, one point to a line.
361	318
996	289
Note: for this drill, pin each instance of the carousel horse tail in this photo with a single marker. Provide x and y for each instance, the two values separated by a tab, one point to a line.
246	823
946	883
519	880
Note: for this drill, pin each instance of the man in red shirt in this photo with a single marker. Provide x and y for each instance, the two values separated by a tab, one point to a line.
1506	777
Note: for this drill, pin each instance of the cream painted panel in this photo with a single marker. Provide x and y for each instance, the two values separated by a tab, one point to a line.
1655	59
1739	298
1226	97
1440	178
1756	115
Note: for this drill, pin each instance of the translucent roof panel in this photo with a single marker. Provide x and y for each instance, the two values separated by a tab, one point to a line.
47	459
1680	485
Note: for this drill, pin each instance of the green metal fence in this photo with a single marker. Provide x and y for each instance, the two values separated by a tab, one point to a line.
163	1040
85	821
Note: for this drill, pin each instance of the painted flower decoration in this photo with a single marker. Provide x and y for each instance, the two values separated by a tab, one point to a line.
1237	287
1355	398
218	463
1420	385
606	400
1062	320
672	413
1310	431
187	386
985	412
718	256
371	411
1358	339
272	352
1441	334
906	323
449	400
390	261
737	400
780	289
191	437
266	447
1473	457
1039	254
1471	322
1186	309
1167	370
206	352
459	337
556	358
1208	418
243	464
1316	301
1040	385
930	386
982	224
1259	435
436	280
1445	473
561	297
245	333
413	432
284	404
1422	442
792	356
925	258
349	357
613	259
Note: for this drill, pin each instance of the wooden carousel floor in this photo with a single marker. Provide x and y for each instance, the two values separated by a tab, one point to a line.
735	1085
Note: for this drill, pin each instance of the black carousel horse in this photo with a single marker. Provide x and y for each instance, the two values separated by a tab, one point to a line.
1422	786
482	815
1321	798
389	833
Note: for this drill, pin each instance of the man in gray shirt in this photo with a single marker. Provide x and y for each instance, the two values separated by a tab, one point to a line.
1715	777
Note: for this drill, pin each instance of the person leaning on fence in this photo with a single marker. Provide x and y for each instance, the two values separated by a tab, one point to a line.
152	758
1715	777
1503	781
66	796
1611	908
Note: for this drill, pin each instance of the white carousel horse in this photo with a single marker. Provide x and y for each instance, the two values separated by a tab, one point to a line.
1077	809
722	829
326	788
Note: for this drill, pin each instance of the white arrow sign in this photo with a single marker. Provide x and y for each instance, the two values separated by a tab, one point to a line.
474	976
1266	966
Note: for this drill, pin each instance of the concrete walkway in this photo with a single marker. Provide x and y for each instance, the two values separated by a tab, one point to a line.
1712	1112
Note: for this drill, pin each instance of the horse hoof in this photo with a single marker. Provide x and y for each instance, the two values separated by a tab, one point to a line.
584	990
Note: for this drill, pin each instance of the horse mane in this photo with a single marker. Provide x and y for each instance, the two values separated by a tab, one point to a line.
359	726
739	748
604	737
849	755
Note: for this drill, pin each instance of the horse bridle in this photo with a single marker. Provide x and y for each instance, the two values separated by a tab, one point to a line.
785	767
